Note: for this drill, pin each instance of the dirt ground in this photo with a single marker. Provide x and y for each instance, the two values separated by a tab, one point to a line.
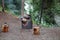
16	33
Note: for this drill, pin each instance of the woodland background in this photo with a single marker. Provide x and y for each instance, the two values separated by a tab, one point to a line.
43	12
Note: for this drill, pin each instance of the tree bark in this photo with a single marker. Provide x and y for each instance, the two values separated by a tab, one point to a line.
43	7
3	5
22	8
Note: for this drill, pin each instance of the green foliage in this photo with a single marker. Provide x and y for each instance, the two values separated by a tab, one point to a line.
17	3
36	5
50	3
49	17
0	2
14	5
40	7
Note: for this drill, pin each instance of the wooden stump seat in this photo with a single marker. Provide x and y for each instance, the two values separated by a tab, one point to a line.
4	28
36	30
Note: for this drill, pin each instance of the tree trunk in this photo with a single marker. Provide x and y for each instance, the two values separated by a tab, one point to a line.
22	8
43	7
3	5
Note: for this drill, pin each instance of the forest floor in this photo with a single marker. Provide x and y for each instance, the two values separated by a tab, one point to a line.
16	33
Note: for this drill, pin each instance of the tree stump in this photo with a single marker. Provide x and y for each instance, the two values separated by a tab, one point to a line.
26	22
36	30
4	28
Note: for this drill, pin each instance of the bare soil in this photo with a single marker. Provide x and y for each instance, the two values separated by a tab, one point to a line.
16	33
